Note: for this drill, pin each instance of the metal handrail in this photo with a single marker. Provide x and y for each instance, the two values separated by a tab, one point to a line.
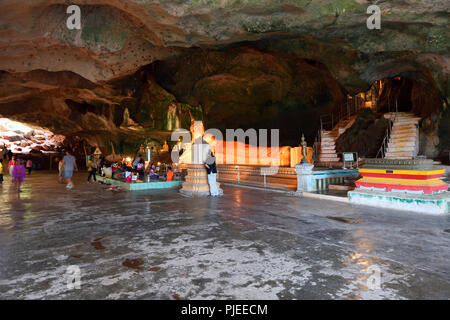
343	112
385	144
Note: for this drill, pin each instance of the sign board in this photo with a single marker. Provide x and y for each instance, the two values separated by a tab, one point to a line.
348	157
97	151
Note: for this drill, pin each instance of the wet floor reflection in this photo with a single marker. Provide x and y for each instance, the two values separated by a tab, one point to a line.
246	244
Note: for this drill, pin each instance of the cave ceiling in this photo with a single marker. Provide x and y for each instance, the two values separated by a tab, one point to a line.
48	68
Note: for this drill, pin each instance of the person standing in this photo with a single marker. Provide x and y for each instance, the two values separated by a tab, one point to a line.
137	161
18	174
92	169
169	174
29	166
11	163
60	170
1	171
140	169
102	164
69	165
212	174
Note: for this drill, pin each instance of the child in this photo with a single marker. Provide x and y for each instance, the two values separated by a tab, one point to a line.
152	173
92	169
19	174
140	169
1	171
11	163
29	166
60	169
134	177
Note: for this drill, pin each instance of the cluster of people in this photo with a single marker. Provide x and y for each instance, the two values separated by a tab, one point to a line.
16	167
135	171
129	171
16	171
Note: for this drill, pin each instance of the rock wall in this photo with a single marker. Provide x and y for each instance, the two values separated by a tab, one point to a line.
259	63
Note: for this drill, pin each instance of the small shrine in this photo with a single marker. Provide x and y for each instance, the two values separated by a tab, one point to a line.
409	184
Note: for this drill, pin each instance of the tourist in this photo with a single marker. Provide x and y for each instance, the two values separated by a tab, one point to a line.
69	165
169	174
29	166
137	161
92	169
11	163
140	169
18	174
1	171
134	176
212	174
60	170
152	173
102	164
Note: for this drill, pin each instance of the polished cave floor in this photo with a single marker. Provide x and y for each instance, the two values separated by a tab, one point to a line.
248	244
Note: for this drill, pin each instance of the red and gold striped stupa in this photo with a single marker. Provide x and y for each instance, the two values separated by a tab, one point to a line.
416	180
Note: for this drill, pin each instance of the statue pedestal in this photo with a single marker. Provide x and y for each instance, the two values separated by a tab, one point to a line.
197	181
304	177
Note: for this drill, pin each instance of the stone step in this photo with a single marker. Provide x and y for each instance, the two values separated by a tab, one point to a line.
336	159
405	123
399	115
328	154
403	135
402	143
397	155
329	136
405	140
401	149
406	114
404	131
399	127
408	118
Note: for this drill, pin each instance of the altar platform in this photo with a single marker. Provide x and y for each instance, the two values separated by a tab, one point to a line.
141	185
409	185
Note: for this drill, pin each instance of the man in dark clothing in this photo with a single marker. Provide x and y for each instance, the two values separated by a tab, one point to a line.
212	174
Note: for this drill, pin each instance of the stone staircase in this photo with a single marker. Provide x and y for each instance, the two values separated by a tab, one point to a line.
328	140
404	138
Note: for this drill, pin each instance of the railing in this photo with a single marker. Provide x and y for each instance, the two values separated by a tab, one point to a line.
385	144
316	147
345	111
252	175
328	121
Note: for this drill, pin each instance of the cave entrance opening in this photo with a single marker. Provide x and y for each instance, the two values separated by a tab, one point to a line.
401	94
29	142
